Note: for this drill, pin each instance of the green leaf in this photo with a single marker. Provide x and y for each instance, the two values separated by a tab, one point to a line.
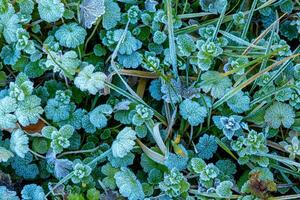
3	78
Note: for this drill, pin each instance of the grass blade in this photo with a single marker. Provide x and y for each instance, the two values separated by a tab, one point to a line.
235	90
172	46
246	27
194	15
219	22
240	40
151	154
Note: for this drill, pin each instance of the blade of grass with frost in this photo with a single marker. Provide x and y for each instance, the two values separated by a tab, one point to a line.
136	73
263	34
253	67
282	68
255	101
248	64
258	100
265	60
283	169
235	90
286	178
249	18
150	153
159	141
139	101
92	34
154	130
281	159
194	15
225	148
212	195
171	124
240	40
230	25
134	96
287	197
227	18
172	47
114	55
219	23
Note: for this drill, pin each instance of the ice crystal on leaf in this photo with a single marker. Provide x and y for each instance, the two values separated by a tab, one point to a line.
174	184
70	35
229	125
209	172
59	138
8	120
193	112
98	115
215	83
29	110
141	115
8	194
50	10
186	45
208	50
112	14
214	6
19	143
23	42
32	192
90	11
280	114
224	189
66	64
9	23
249	148
206	146
133	14
88	80
292	145
159	37
10	54
61	167
124	142
5	154
81	172
21	88
239	103
129	186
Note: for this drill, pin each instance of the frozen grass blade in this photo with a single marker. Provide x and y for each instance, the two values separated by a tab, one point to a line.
172	46
151	154
235	90
283	67
281	159
225	148
249	18
193	15
240	40
219	23
263	34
